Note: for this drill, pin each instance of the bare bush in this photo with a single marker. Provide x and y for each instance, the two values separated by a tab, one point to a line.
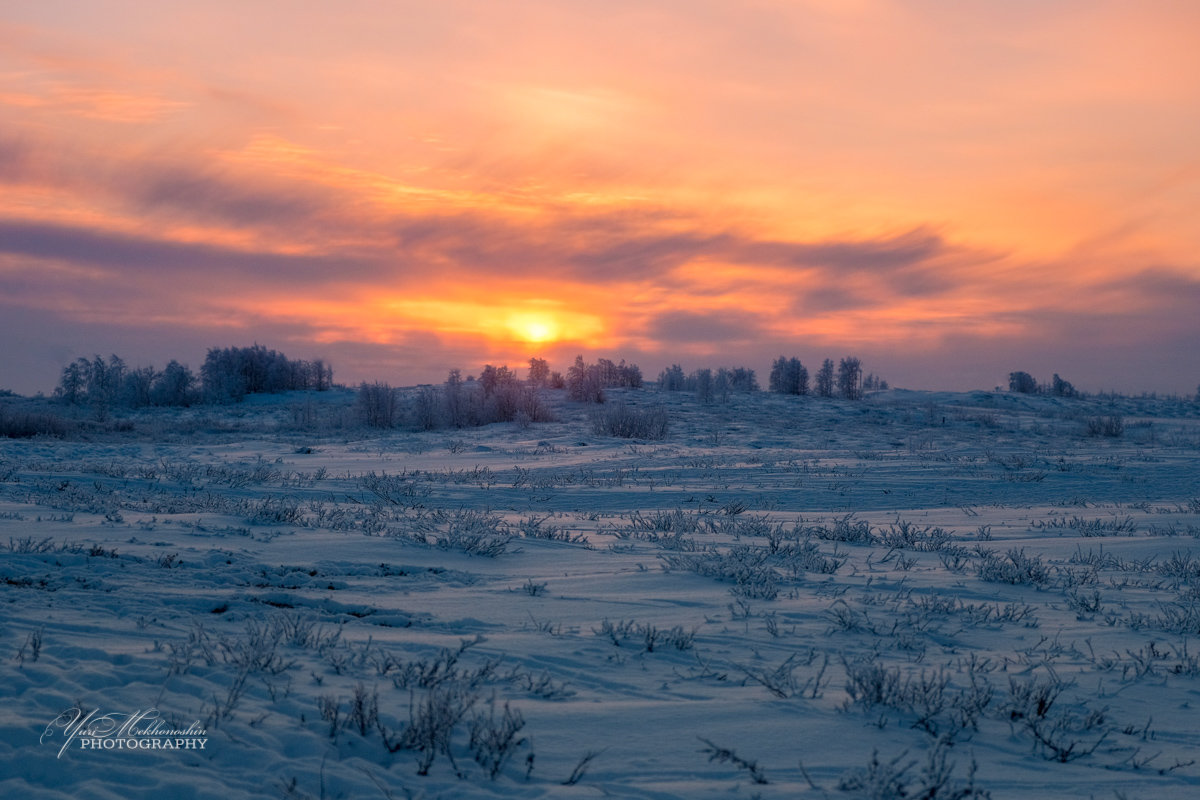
466	530
723	755
27	425
625	422
844	529
905	535
896	779
1061	734
748	567
649	636
1014	567
432	719
495	740
1112	426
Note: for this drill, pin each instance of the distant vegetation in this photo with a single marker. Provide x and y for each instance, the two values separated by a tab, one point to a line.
496	394
789	376
228	375
98	388
1024	383
707	384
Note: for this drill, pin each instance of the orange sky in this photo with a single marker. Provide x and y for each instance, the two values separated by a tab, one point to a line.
951	191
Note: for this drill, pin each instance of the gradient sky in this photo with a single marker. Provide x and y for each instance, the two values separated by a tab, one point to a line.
951	190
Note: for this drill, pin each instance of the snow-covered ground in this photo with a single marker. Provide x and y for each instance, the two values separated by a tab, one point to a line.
917	595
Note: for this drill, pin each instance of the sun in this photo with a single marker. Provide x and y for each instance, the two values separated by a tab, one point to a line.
534	328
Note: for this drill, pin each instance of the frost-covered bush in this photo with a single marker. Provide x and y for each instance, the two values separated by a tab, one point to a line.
1112	426
844	529
904	535
897	779
26	425
625	422
475	533
749	568
1014	567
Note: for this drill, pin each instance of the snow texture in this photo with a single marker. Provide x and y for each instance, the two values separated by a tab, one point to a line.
915	595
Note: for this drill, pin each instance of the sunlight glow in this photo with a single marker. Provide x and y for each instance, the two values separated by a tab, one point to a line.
534	328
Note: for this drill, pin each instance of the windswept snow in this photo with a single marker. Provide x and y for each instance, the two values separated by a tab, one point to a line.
785	597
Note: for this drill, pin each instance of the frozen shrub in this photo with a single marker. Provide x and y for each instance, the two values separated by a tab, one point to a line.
748	567
1062	734
1014	567
928	697
622	421
494	740
1111	426
27	425
904	535
844	529
475	533
432	720
649	636
676	521
723	755
896	779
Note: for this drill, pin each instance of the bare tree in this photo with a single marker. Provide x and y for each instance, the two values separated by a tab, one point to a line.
703	380
1061	388
671	379
788	376
583	382
378	405
849	379
825	379
539	372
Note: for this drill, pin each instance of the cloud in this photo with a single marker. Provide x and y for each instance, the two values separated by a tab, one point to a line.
200	196
697	327
129	259
15	160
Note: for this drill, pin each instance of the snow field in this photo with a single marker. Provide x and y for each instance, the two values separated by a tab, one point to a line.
959	594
